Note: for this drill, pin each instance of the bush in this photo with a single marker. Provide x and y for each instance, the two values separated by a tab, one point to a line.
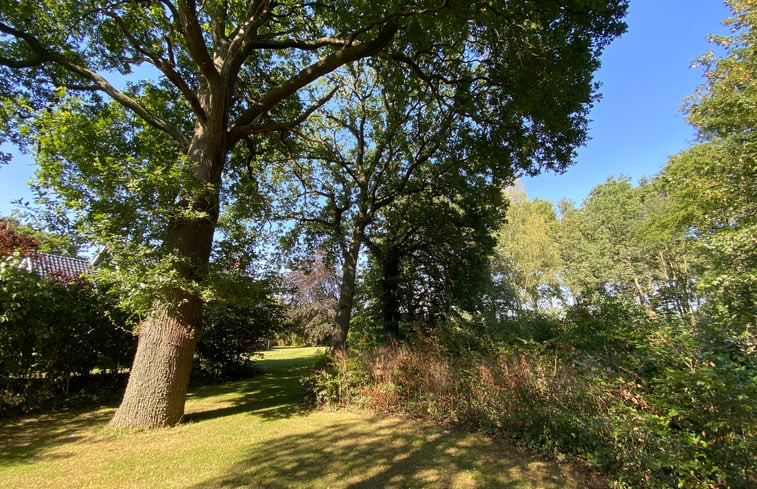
699	426
338	381
54	333
603	323
523	397
530	327
64	339
663	405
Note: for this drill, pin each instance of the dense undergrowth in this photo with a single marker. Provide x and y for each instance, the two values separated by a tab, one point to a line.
651	403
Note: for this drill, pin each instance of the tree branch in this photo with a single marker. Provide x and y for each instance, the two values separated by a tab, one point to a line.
287	126
218	26
103	85
241	40
306	45
43	55
38	52
166	67
195	43
393	16
313	72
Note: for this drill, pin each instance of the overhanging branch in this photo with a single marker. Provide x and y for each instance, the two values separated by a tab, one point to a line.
42	55
38	52
103	85
309	74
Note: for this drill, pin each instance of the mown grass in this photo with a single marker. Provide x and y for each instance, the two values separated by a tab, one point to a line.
253	433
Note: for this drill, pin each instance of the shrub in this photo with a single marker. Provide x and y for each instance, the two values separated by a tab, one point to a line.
55	332
668	407
699	428
338	381
530	327
64	338
522	397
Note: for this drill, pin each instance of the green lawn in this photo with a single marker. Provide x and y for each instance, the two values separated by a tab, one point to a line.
253	434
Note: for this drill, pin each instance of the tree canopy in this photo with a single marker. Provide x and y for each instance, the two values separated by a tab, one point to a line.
711	186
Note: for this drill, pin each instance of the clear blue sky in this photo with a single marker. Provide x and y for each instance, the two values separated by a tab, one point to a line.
645	76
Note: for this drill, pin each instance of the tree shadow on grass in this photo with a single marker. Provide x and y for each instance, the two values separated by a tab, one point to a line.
24	439
269	400
394	453
274	395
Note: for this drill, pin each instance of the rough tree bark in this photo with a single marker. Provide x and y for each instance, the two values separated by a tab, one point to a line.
159	377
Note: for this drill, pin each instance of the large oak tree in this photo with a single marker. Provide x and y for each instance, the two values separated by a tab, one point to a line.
224	72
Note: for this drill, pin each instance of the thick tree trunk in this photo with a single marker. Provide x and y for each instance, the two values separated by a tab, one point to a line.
159	377
347	289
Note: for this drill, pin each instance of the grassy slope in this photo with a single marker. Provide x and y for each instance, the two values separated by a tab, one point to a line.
251	434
